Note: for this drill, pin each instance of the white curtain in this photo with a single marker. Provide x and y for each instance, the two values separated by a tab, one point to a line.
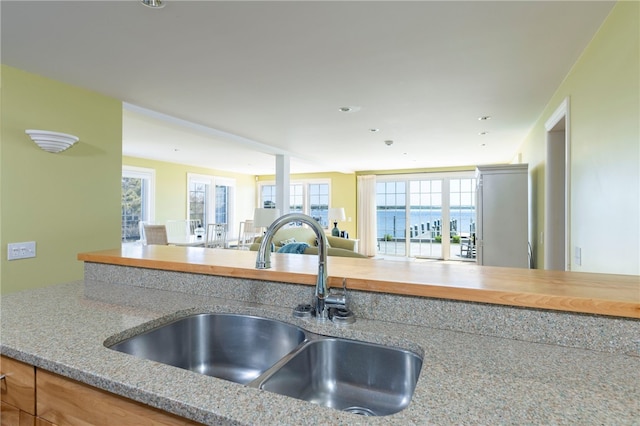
367	215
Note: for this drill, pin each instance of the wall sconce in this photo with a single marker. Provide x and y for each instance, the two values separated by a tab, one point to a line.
54	142
263	218
336	214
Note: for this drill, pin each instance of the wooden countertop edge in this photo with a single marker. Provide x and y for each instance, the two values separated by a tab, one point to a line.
585	305
508	298
221	270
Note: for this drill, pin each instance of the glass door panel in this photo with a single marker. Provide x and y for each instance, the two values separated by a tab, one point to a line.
424	236
391	217
462	199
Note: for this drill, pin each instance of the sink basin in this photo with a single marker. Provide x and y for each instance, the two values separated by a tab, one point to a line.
349	375
233	347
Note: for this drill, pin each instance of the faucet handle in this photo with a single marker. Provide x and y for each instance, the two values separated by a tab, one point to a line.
338	299
339	312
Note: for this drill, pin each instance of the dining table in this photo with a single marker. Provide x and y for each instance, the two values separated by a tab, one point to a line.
187	241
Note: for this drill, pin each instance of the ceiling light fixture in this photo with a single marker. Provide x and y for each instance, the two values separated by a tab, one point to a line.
483	133
484	118
373	130
349	109
388	142
153	4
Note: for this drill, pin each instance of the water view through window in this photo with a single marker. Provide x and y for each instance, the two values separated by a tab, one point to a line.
413	216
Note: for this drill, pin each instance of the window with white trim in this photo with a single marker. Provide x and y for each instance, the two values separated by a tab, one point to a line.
210	199
310	197
415	213
137	200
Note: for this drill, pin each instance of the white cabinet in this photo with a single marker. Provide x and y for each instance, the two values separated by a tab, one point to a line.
502	215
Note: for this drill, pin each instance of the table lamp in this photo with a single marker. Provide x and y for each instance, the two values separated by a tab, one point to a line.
263	218
336	214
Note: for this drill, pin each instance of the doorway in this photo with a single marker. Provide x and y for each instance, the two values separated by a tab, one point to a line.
557	197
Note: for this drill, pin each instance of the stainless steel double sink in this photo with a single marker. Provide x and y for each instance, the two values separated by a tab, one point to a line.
349	375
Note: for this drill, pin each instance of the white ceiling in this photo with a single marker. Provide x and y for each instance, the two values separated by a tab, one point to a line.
227	84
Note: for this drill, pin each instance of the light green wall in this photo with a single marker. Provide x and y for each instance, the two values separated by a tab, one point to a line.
171	189
603	88
67	202
343	194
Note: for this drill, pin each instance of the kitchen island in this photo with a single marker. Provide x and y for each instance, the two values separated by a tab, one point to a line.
484	361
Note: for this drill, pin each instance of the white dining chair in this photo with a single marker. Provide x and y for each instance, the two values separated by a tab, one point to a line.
216	235
180	230
247	234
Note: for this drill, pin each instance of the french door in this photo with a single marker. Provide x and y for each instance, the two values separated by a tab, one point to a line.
425	216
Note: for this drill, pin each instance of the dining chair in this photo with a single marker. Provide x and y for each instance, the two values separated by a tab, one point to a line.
247	233
181	229
155	234
216	235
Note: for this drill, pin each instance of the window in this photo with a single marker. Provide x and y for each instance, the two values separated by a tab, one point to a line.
268	196
413	212
137	203
425	218
462	208
308	197
199	202
210	199
222	204
296	196
391	215
319	203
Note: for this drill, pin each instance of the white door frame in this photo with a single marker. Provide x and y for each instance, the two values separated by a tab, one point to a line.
557	231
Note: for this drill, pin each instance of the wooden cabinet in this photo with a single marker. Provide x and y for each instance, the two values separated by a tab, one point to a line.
17	390
36	397
12	416
68	402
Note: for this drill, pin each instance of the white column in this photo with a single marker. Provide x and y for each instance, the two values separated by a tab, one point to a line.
282	183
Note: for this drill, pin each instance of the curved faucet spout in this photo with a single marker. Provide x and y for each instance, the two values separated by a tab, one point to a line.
263	261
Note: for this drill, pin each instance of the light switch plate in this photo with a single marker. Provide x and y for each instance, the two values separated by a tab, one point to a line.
24	250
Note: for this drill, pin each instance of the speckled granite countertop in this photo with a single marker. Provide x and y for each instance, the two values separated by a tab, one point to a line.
465	378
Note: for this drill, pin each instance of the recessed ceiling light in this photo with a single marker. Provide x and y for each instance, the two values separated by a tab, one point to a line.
153	4
349	109
483	133
484	118
388	142
373	130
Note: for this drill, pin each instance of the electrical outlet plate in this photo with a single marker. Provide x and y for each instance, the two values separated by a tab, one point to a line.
24	250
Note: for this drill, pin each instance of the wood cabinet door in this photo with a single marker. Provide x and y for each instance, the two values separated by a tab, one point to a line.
13	416
68	402
18	386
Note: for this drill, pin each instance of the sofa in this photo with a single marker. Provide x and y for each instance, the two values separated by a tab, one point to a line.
337	246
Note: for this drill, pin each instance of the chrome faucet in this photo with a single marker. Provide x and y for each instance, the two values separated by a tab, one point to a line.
263	260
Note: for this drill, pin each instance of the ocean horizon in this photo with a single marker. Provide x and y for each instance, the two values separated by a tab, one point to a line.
393	221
